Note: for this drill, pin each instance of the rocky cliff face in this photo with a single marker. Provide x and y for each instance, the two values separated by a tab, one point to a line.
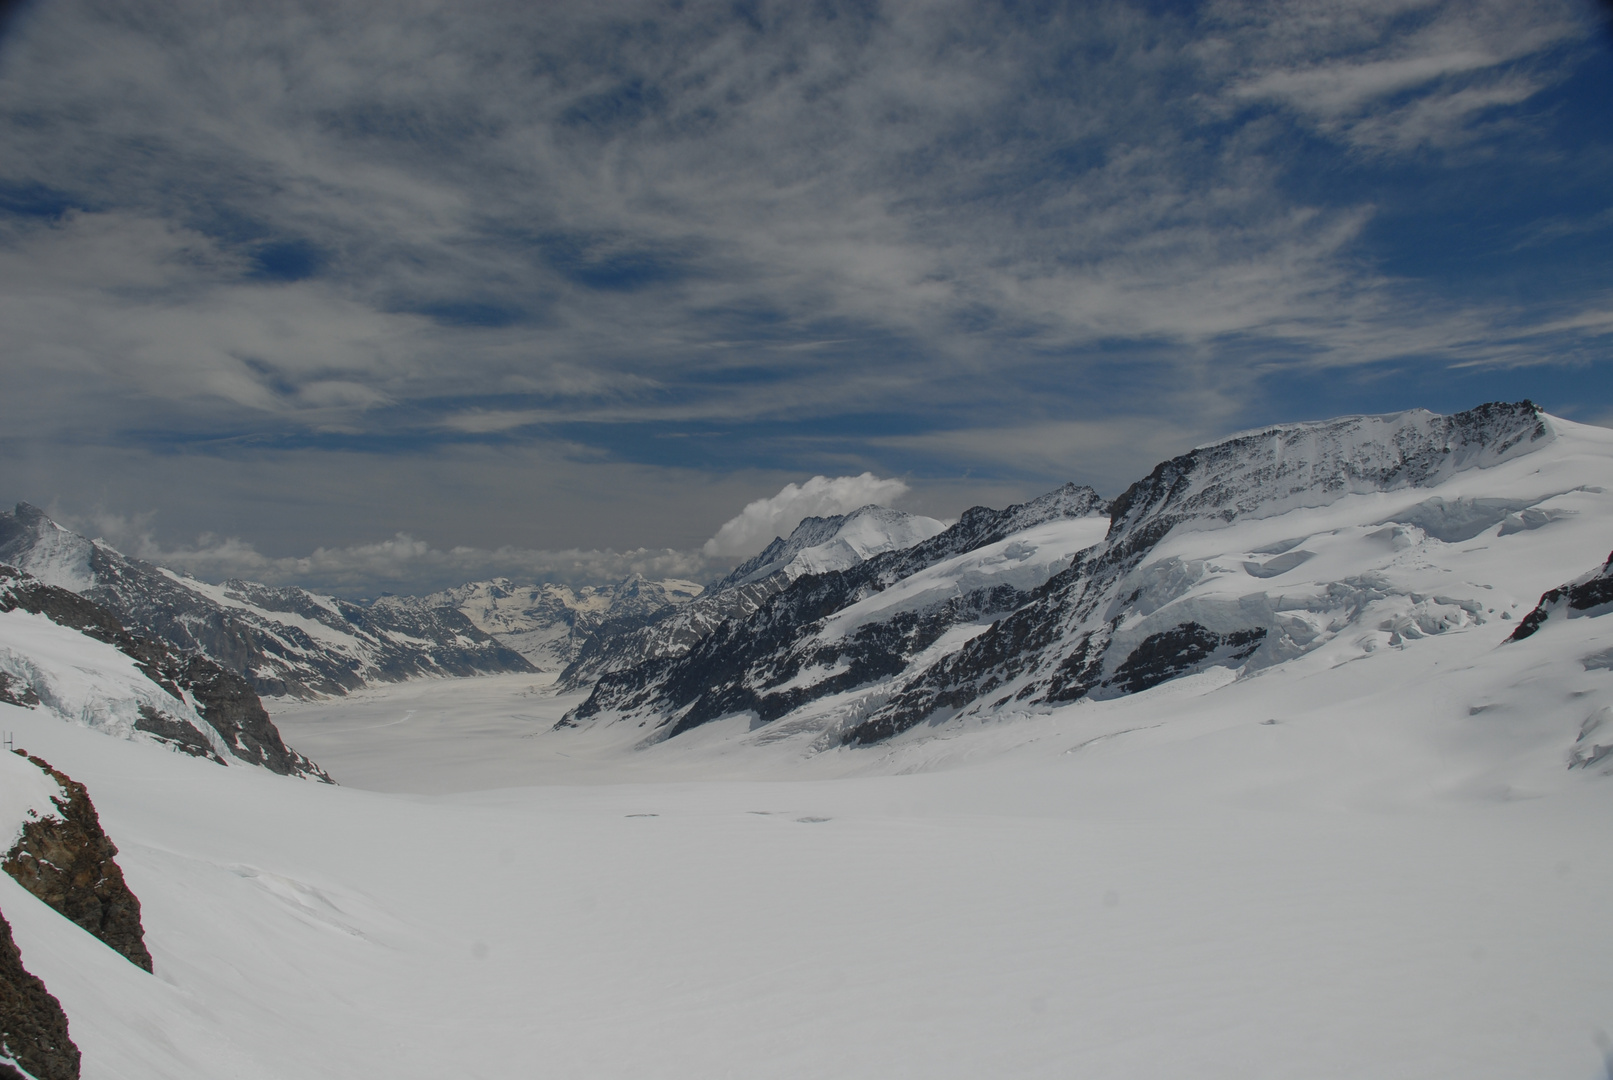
284	641
33	1028
200	707
868	652
777	656
69	862
1108	625
816	545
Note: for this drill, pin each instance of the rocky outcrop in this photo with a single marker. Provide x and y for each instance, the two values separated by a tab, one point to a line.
33	1027
222	698
1579	597
69	862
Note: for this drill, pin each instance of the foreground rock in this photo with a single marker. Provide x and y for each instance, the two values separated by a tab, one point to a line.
33	1028
68	861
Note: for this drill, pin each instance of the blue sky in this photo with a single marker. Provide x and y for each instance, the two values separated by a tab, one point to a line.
329	293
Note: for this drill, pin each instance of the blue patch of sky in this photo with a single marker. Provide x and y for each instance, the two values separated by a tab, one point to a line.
35	200
286	260
471	313
622	107
1465	221
600	262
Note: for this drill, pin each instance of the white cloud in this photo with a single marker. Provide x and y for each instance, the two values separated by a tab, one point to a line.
820	496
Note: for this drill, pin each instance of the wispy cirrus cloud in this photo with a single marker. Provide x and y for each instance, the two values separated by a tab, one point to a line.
800	239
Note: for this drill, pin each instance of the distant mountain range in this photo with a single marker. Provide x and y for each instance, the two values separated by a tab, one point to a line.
287	642
1237	557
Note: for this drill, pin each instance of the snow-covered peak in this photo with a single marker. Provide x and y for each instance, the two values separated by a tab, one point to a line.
32	542
821	544
1293	466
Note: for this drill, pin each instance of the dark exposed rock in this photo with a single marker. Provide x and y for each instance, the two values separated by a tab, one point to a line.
179	734
33	1027
1180	650
1585	594
70	863
221	697
14	693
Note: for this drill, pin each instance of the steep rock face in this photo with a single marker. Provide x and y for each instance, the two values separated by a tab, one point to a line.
1089	631
69	862
668	633
285	641
1591	594
193	688
33	1027
816	545
782	653
549	624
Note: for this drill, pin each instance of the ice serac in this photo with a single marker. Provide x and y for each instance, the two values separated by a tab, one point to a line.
65	858
287	642
33	1027
823	633
1117	621
64	652
816	545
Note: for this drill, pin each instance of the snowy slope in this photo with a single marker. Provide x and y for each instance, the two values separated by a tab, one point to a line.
287	641
1396	876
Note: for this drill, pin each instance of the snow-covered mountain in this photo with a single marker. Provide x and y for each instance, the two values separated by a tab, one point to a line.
1240	556
821	544
549	623
816	545
65	654
1311	861
288	642
819	632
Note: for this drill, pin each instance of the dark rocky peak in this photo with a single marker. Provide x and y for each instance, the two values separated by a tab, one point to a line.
1289	466
1588	594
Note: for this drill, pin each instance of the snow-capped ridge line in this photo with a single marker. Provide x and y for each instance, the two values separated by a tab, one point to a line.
79	662
762	660
287	641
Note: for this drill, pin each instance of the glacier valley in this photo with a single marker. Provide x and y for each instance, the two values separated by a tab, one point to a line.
1293	759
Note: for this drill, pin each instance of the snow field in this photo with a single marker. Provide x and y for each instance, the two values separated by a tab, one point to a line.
1382	883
